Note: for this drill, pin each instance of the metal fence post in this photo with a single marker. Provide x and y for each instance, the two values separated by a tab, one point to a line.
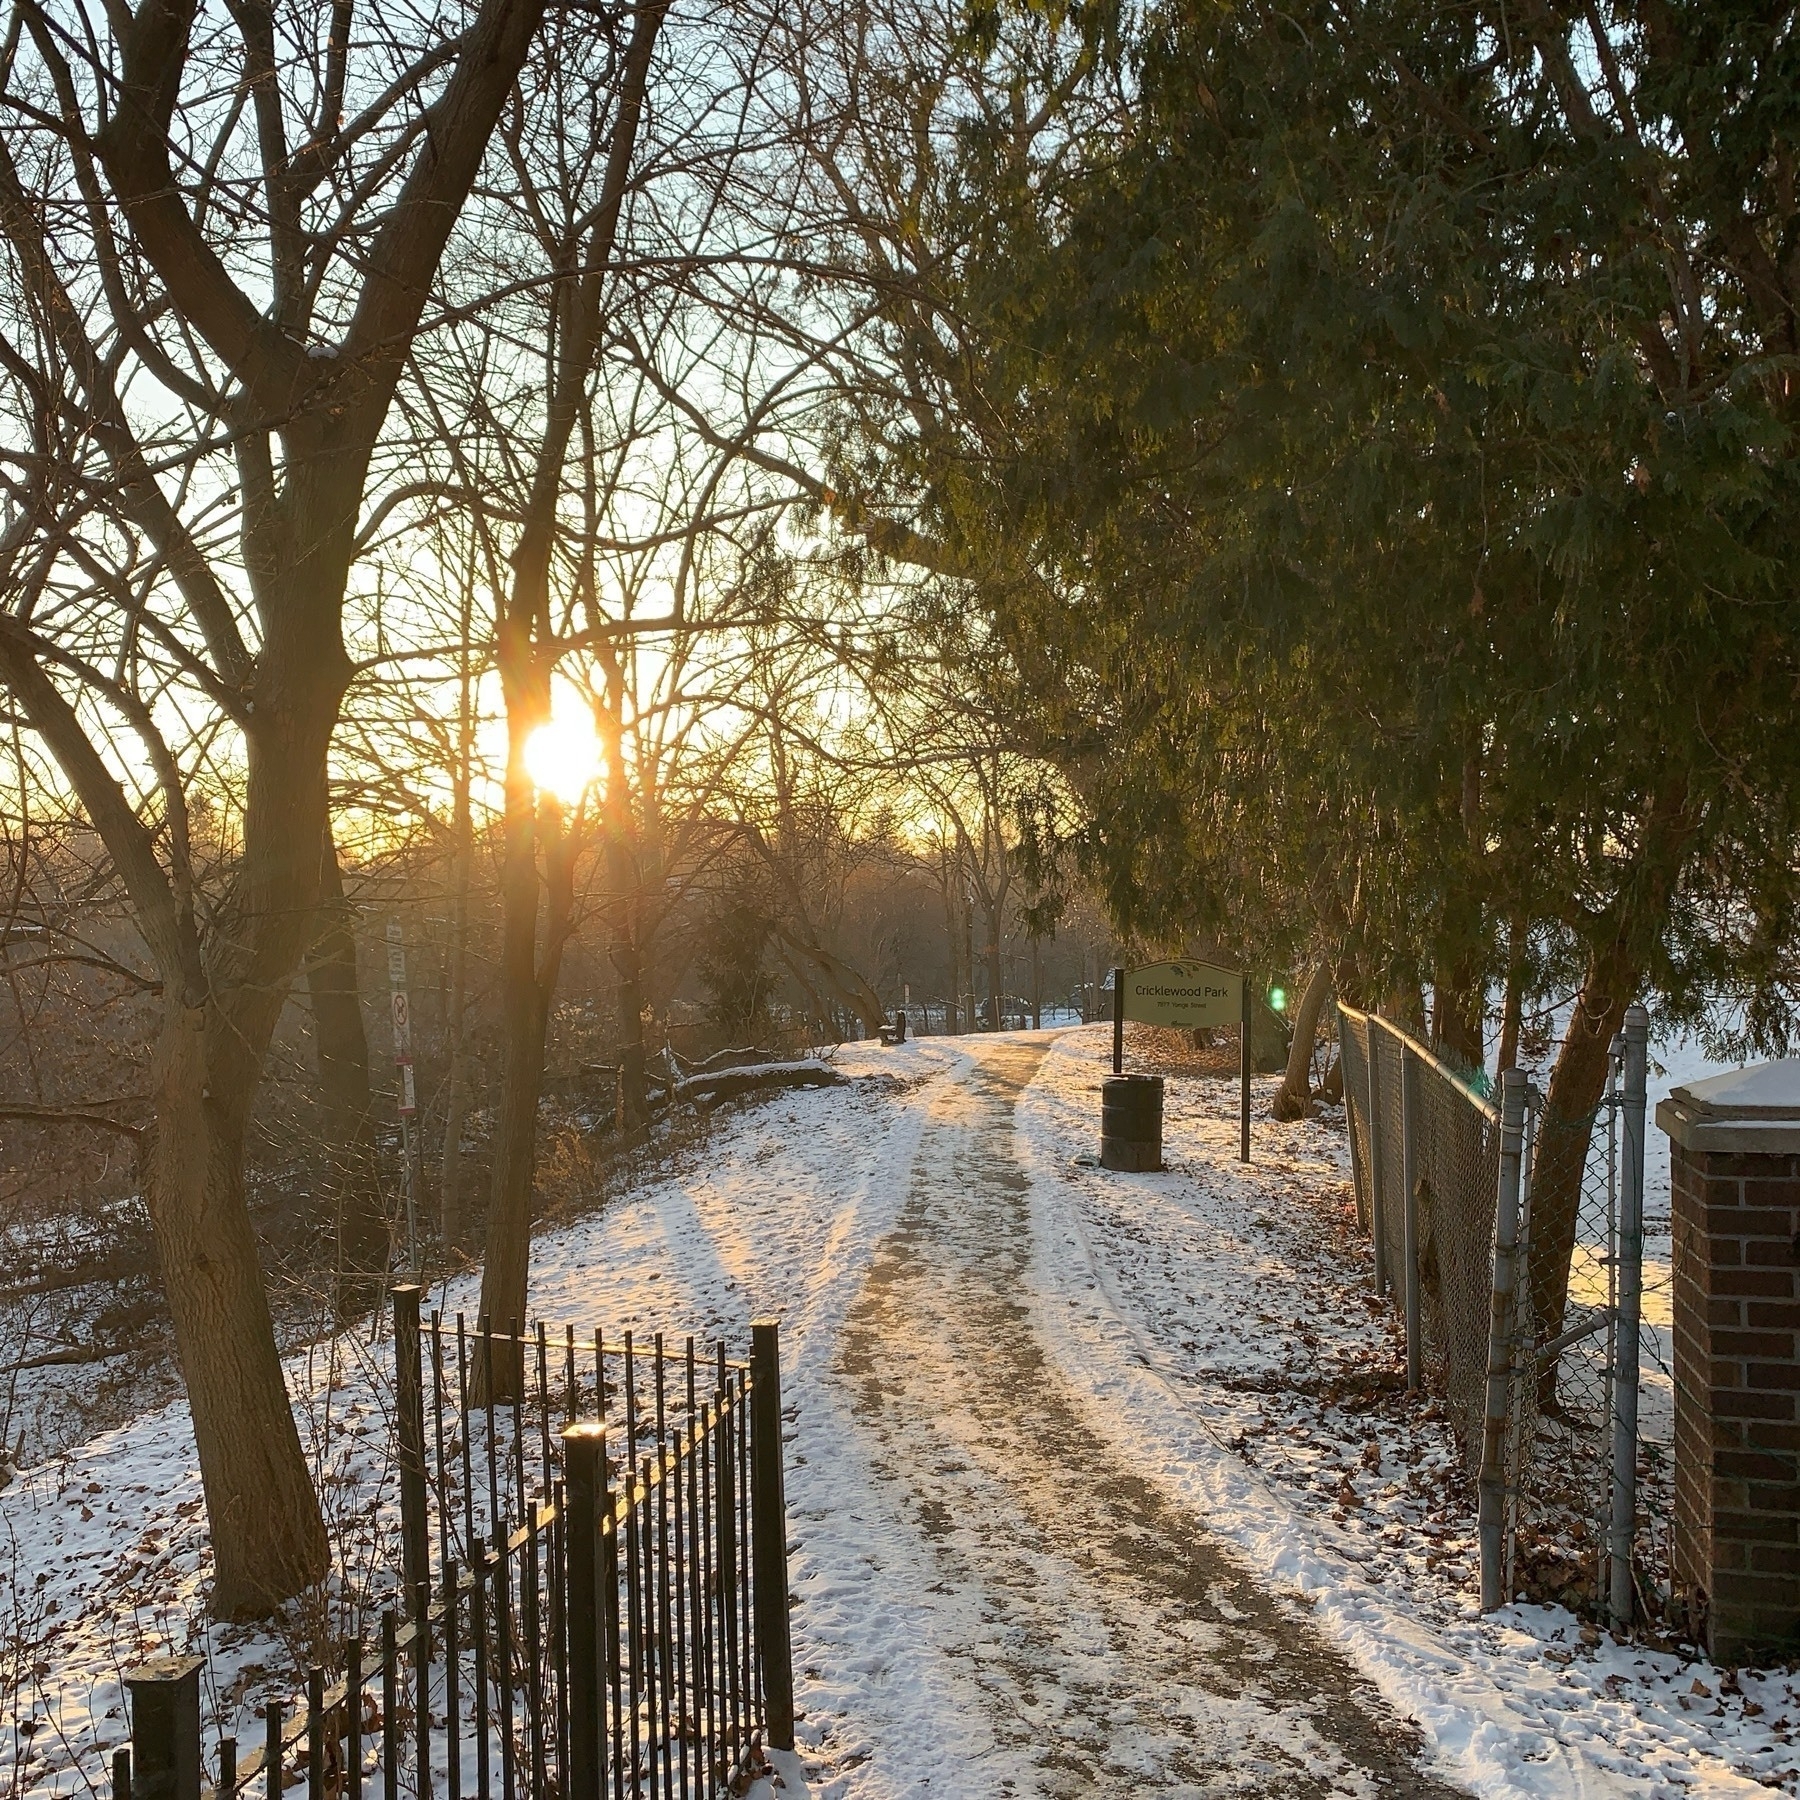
353	1726
584	1446
1501	1313
409	1403
768	1534
1409	1215
1359	1176
1621	1537
1377	1160
315	1733
165	1728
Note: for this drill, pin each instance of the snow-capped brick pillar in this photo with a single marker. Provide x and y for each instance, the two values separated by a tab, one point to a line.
1734	1154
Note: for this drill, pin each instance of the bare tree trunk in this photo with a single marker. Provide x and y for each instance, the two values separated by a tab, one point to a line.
225	986
1456	1006
1512	1012
450	1215
623	883
527	652
847	986
953	1022
1565	1130
1459	974
1615	967
628	991
456	1096
268	1536
995	971
1293	1099
359	1222
1406	1007
968	956
524	1020
504	1276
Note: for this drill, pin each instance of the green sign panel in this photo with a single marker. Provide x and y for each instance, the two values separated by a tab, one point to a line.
1184	994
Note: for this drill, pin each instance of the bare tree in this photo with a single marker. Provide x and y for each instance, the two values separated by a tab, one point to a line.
228	228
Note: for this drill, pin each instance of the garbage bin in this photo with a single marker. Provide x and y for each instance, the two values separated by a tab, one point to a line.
1131	1109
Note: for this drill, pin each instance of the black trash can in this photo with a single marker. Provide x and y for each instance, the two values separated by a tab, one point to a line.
1131	1122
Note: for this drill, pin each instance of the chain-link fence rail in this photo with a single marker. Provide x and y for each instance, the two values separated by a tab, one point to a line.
1426	1158
1526	1328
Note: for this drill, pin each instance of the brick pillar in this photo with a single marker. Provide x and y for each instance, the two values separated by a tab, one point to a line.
1734	1156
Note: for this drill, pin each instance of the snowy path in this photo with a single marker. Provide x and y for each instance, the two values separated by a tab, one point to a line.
1116	1647
1096	1483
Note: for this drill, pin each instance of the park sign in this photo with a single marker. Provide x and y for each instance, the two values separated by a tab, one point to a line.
1186	995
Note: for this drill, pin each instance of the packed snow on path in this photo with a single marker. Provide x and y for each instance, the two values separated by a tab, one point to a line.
1221	1325
1214	1326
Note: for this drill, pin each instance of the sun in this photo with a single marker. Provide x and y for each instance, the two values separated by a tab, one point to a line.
563	756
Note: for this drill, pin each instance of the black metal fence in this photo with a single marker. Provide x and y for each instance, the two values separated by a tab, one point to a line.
593	1594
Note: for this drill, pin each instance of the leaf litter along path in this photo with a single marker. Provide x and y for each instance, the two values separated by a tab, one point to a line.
1117	1646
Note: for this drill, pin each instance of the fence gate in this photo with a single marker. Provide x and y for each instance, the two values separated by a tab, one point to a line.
1512	1243
592	1600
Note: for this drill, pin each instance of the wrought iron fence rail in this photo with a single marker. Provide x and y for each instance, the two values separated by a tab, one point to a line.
622	1630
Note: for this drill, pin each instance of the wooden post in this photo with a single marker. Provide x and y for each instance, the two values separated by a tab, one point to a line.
1118	1021
768	1534
584	1450
165	1728
1244	1067
409	1406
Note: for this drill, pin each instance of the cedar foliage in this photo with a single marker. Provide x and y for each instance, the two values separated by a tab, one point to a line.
1379	451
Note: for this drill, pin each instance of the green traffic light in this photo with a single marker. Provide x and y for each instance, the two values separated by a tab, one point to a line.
1278	999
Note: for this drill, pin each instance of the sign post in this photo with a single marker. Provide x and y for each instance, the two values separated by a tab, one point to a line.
400	1007
1189	995
1244	1072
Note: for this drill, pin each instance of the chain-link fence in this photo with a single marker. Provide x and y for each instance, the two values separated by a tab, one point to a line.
1518	1277
1426	1157
1562	1398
